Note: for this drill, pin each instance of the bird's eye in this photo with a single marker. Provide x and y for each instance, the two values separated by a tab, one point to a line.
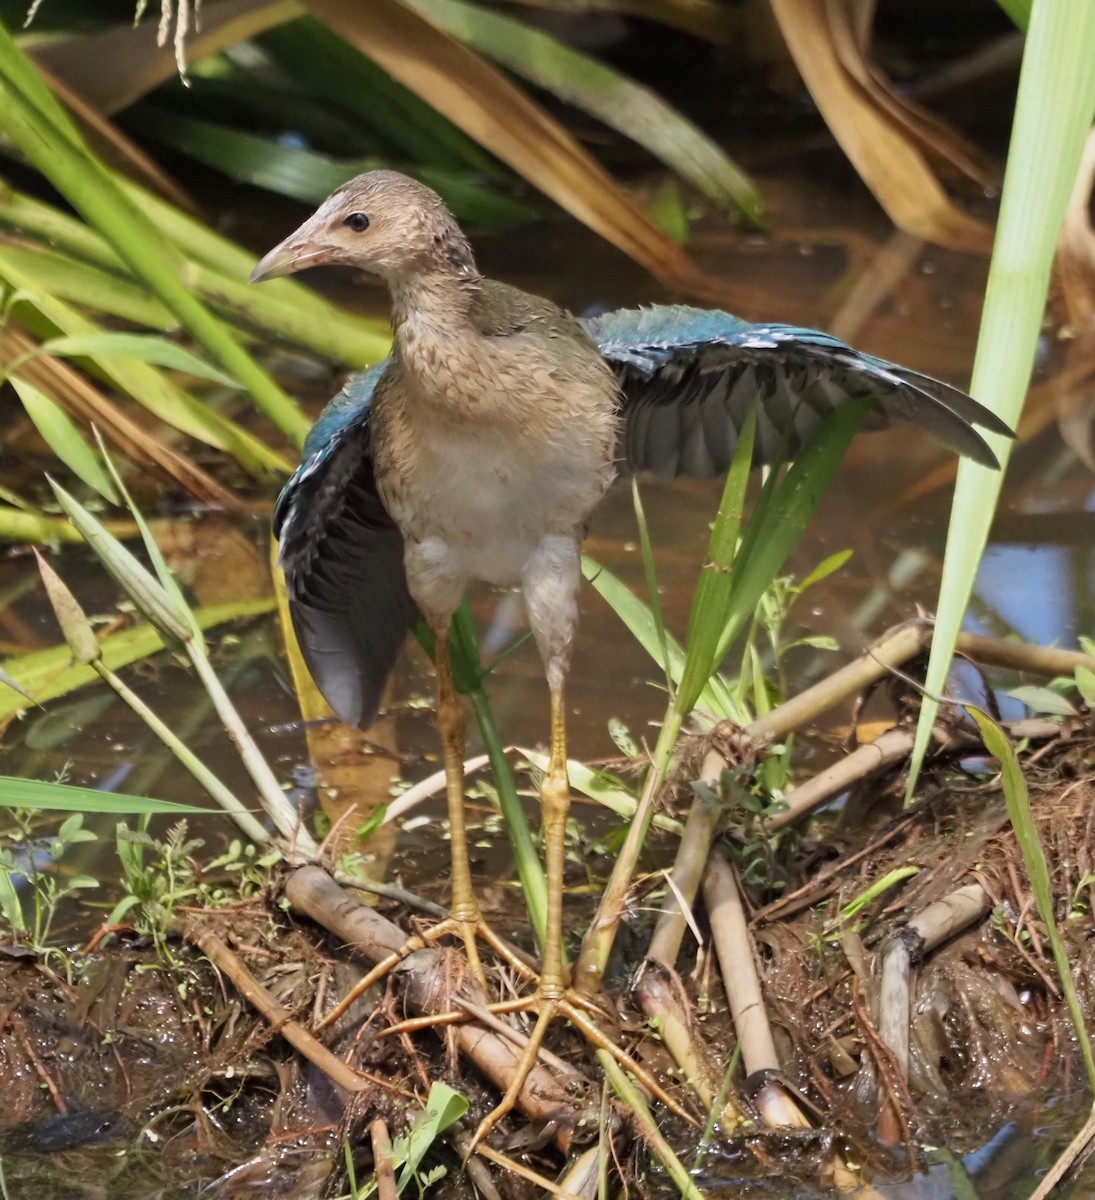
358	222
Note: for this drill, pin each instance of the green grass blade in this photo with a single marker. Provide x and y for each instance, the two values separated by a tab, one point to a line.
326	66
1053	113
29	117
782	514
143	347
35	793
87	285
719	574
63	437
46	316
1026	833
467	674
640	621
656	613
1018	11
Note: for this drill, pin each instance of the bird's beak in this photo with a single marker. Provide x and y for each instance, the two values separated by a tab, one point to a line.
299	250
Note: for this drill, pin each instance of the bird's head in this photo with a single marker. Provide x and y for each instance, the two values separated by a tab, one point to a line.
381	222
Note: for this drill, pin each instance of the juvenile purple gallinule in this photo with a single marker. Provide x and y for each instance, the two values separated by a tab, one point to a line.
479	449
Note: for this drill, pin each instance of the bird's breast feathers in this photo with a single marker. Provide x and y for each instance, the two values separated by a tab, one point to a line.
489	458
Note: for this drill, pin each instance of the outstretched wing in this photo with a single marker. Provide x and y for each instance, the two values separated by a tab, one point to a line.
343	559
688	376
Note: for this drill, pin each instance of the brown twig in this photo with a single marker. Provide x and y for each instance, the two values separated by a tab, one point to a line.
280	1019
382	1160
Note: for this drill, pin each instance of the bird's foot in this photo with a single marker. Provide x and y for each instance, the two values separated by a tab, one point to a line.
578	1009
469	927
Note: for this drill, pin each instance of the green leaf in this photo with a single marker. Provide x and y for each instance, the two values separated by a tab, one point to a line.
604	788
63	437
1085	682
784	510
145	347
718	576
825	568
1026	834
1053	110
36	793
637	616
1043	700
444	1107
38	126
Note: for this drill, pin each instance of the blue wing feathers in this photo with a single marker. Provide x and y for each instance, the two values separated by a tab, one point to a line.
343	560
708	366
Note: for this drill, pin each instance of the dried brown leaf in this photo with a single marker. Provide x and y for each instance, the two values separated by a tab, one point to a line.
80	398
887	157
850	22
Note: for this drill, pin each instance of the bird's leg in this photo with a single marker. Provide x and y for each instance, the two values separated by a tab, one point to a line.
464	910
550	585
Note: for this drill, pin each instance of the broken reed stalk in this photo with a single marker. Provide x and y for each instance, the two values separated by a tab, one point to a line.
383	1166
891	747
928	929
774	1104
658	989
894	649
688	867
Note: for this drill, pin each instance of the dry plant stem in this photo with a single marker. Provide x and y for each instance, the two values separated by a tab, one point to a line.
534	1177
893	649
774	1104
734	947
1020	656
286	820
427	788
893	997
925	931
278	1017
312	893
382	1161
699	832
662	999
390	892
597	943
231	803
892	747
955	912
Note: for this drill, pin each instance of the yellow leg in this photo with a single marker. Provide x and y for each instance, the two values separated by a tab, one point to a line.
555	805
464	908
